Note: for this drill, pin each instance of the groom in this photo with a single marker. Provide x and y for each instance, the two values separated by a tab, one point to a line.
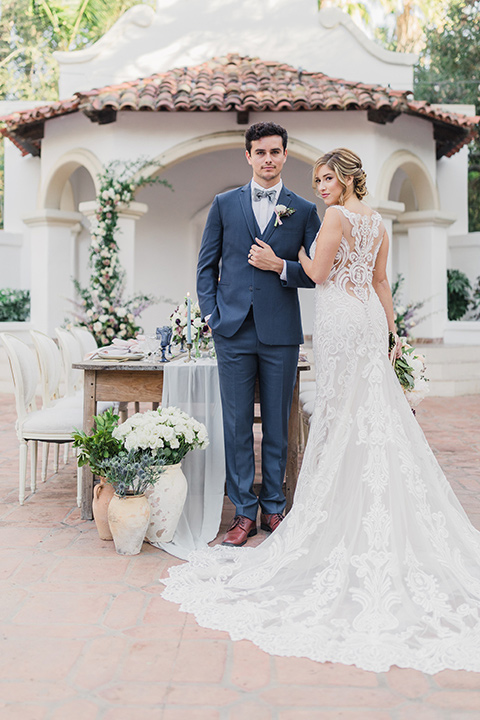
247	280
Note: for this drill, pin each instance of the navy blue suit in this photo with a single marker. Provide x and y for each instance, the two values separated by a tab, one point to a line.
256	324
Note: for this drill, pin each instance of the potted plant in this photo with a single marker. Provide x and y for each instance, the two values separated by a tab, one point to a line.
131	472
92	450
171	434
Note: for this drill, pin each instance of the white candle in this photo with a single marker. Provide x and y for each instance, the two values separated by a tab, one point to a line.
189	319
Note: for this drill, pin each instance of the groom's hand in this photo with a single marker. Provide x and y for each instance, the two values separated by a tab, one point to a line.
262	257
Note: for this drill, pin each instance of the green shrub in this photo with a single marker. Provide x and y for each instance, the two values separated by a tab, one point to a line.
476	300
458	288
14	305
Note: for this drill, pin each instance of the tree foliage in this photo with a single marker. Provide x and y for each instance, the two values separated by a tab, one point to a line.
397	24
404	22
449	72
31	30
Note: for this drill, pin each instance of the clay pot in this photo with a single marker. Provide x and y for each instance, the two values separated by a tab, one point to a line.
102	494
128	519
166	498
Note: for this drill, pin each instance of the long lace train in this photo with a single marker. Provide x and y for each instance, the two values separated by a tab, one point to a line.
377	563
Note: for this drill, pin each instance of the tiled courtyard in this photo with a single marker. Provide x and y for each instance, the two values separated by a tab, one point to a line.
85	634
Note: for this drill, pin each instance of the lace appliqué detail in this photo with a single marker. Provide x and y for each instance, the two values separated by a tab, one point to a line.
353	265
376	564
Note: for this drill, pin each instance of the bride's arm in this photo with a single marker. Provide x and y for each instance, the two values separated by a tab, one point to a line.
328	241
382	288
381	285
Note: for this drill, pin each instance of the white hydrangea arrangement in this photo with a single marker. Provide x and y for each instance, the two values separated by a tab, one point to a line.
168	432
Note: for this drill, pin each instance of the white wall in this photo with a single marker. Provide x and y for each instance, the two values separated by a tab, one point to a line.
189	32
11	260
452	183
22	178
168	239
464	255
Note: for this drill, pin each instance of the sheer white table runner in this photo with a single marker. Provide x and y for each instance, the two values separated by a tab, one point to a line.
194	388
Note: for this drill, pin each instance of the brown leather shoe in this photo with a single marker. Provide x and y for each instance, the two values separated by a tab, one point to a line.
238	532
271	522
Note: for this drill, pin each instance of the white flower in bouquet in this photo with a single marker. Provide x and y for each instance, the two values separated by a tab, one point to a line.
419	391
410	370
178	321
169	432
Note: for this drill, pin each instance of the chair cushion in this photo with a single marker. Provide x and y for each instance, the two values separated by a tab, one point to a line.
53	421
306	396
307	408
76	401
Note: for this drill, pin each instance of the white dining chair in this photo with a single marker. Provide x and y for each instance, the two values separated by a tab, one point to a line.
72	352
85	338
89	344
50	364
53	424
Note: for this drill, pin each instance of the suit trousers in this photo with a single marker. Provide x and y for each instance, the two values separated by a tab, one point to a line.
241	359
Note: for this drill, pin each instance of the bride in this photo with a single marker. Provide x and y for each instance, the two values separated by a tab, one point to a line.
376	564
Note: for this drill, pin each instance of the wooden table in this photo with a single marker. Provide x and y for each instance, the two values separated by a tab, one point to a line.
143	382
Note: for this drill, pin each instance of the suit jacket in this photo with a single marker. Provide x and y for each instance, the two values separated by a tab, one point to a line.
227	285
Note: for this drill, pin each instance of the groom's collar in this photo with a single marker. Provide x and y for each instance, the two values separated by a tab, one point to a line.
277	187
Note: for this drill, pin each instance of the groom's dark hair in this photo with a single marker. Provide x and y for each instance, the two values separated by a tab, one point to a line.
264	129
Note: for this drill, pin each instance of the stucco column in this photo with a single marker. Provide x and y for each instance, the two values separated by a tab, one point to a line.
389	210
52	243
400	259
125	237
427	268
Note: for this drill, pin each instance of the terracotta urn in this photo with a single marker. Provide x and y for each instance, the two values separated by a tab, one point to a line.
128	517
167	498
102	494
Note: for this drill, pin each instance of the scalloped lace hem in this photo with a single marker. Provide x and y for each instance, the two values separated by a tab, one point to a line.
379	658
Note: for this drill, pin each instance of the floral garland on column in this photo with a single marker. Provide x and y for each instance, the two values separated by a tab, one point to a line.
103	309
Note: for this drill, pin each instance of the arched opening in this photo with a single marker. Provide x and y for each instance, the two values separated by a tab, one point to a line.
231	139
55	192
168	237
73	180
404	178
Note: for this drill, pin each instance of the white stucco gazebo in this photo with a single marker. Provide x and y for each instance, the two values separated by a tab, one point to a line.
207	70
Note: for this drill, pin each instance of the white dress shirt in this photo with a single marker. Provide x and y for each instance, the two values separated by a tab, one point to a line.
263	208
263	211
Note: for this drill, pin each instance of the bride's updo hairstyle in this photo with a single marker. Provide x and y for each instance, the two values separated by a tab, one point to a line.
344	163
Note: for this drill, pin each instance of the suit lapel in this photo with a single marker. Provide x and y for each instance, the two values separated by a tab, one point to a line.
246	203
285	198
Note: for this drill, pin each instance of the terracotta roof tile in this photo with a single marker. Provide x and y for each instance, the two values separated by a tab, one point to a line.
242	84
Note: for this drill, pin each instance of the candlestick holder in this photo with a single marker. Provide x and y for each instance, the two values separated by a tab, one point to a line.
189	351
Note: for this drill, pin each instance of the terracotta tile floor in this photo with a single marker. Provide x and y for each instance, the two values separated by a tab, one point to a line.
85	634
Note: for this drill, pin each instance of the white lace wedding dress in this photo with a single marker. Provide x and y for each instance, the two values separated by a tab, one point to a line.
376	564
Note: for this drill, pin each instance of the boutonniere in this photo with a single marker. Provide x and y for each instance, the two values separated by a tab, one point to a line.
282	211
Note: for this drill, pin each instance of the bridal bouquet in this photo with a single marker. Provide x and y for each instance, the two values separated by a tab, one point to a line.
410	370
178	320
168	433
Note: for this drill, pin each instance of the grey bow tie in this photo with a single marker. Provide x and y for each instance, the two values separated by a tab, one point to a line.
259	194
